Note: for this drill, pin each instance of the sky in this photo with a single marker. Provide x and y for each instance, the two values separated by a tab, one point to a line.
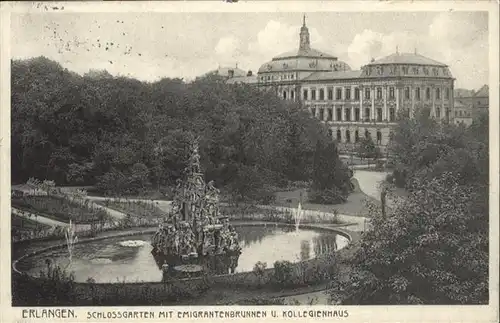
150	46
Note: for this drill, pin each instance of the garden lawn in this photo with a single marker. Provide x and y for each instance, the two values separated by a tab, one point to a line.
355	205
22	224
135	208
57	208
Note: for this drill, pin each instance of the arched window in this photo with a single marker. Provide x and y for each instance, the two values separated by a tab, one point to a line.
347	136
339	135
427	93
321	94
379	137
367	134
330	133
292	94
284	95
438	113
356	136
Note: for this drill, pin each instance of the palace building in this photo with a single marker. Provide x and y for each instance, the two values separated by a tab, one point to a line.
357	103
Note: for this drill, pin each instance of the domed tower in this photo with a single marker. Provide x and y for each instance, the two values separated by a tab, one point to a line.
304	36
285	72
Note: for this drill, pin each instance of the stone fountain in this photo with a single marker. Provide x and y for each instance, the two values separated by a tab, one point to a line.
194	237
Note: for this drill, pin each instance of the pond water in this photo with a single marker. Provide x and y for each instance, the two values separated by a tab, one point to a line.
129	258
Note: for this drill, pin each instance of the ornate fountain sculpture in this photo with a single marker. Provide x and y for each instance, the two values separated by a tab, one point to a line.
194	232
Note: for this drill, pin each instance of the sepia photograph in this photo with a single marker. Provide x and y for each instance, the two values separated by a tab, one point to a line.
285	158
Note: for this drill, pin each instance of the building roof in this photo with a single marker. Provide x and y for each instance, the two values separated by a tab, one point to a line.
333	75
224	71
303	52
463	93
243	79
406	58
304	64
483	91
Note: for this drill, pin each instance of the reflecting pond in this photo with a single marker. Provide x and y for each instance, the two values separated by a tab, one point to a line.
129	258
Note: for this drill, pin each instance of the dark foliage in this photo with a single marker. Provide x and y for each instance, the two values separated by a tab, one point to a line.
127	137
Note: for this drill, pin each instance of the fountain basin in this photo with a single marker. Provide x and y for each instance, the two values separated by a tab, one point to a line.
133	262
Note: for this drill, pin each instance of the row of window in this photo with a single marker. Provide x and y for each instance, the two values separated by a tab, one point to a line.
289	76
347	94
327	114
461	113
346	116
347	138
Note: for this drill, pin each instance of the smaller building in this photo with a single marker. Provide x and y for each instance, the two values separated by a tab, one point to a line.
463	113
227	72
469	104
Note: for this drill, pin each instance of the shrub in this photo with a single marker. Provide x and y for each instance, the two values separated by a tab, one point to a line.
283	272
328	196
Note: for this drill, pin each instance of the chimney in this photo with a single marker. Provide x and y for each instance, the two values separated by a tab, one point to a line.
230	74
249	73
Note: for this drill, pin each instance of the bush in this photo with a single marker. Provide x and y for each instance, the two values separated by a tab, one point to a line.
283	272
328	196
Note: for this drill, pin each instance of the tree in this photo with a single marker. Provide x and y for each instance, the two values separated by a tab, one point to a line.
367	149
92	130
433	249
331	181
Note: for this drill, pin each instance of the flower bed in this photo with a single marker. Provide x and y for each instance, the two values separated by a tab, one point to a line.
60	208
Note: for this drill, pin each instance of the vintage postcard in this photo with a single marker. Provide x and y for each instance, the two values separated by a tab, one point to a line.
207	161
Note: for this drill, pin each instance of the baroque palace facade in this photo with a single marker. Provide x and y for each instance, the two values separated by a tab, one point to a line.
357	103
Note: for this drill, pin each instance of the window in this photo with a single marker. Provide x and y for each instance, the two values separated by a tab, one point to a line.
284	95
356	114
347	93
405	70
304	94
438	113
367	114
339	136
379	114
460	113
330	133
447	94
347	114
339	114
313	94
321	94
438	94
339	94
321	114
356	94
415	70
407	93
367	134
392	115
379	93
367	93
330	94
330	114
356	136
379	137
347	136
391	93
313	112
291	76
456	113
427	93
417	93
292	94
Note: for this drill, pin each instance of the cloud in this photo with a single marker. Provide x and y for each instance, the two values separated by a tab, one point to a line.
458	40
229	46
